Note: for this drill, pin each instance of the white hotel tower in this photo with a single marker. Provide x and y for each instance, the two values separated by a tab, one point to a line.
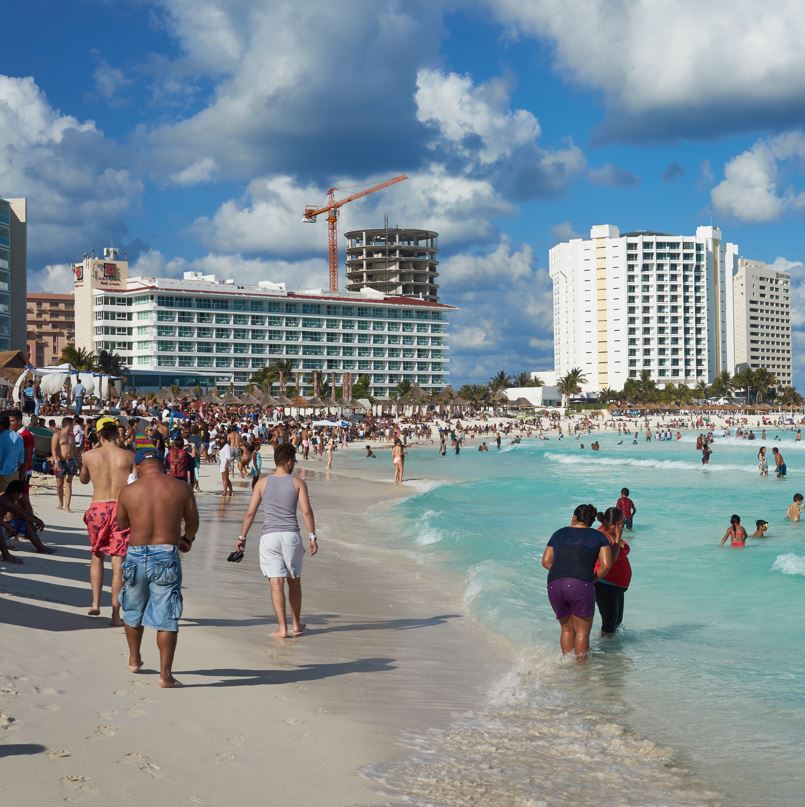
644	301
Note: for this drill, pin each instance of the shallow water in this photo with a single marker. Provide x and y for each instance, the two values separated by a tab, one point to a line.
704	689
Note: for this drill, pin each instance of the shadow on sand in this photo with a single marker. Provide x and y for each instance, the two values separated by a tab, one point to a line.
20	749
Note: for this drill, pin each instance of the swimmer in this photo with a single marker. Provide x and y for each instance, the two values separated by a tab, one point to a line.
369	452
735	532
795	508
762	526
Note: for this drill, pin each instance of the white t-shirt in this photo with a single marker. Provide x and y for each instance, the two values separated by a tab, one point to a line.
224	456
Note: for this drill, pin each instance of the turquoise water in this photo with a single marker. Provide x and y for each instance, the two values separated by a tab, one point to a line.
708	675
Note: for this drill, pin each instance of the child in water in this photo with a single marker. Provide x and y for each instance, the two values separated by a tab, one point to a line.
735	532
795	509
627	507
762	526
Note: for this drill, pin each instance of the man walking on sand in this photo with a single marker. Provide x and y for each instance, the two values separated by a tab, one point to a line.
65	463
108	467
153	508
281	549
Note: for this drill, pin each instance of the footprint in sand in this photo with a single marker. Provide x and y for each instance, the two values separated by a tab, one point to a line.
107	715
59	754
51	707
121	693
224	757
106	730
237	740
142	762
6	721
49	691
196	800
291	721
134	712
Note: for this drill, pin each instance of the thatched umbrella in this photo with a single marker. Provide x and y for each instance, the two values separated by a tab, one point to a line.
524	403
501	397
267	400
416	395
210	398
248	398
331	403
229	398
164	394
316	401
282	400
300	403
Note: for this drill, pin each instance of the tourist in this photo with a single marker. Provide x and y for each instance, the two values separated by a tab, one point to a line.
570	558
761	528
108	467
22	521
178	461
483	447
79	391
779	463
795	508
330	450
281	549
28	446
762	461
369	453
154	508
65	462
256	468
706	453
398	460
735	532
627	507
609	590
12	453
225	463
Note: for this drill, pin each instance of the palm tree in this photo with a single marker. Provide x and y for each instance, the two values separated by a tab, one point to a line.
702	390
606	395
648	387
361	387
570	384
788	396
80	358
724	384
402	389
522	379
763	381
745	380
500	381
476	394
284	369
265	377
536	381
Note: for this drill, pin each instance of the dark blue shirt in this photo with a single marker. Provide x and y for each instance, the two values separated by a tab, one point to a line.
575	551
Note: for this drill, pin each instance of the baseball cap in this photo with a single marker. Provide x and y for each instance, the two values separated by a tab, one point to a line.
105	420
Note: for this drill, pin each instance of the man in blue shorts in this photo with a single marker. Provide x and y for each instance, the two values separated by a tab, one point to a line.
779	463
154	508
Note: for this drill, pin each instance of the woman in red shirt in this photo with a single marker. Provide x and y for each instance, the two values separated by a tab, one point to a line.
609	590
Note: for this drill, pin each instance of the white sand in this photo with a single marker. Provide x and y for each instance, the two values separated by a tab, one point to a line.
260	721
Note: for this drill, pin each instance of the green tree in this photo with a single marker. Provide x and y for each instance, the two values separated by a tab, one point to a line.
724	384
402	389
361	387
477	394
743	382
522	379
570	384
500	381
80	358
788	396
648	391
606	395
763	382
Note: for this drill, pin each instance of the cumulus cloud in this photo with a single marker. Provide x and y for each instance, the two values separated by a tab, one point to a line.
54	278
564	231
76	181
200	171
664	73
110	83
751	191
613	176
303	88
475	123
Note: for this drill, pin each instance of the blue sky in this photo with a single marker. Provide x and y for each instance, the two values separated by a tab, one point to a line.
193	133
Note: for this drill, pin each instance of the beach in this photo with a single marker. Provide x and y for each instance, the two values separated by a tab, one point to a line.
259	720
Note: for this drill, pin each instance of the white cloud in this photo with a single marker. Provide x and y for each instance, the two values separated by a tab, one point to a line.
750	189
55	278
497	268
613	176
268	219
669	67
564	231
462	111
200	171
110	83
75	179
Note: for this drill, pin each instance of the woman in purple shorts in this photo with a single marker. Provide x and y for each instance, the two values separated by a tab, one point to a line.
570	558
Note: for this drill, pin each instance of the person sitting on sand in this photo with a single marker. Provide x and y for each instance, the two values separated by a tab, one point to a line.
153	508
761	528
735	532
21	522
281	549
795	508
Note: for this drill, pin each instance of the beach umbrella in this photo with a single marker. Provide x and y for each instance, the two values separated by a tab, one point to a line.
267	400
316	401
248	398
523	403
416	395
299	402
210	398
231	399
282	400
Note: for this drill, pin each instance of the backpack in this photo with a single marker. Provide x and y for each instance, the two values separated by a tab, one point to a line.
177	463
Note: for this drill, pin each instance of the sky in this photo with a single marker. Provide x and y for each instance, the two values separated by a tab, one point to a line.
193	133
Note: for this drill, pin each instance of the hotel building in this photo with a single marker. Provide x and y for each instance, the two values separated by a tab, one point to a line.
199	330
625	303
762	307
13	273
51	327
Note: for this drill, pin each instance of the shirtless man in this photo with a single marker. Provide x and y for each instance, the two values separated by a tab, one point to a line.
107	467
154	508
795	508
65	462
779	463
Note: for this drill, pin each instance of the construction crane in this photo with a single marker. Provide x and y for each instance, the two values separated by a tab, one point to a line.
331	209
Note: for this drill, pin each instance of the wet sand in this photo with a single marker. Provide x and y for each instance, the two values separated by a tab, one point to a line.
388	650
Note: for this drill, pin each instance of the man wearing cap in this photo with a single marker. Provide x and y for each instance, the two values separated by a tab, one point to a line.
154	508
107	467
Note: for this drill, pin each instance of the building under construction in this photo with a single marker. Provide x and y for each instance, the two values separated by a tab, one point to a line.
394	261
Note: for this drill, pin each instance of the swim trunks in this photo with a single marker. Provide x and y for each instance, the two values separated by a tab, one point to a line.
104	535
65	468
152	587
19	525
782	470
281	554
570	596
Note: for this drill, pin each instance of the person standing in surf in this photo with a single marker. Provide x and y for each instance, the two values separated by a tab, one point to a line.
570	558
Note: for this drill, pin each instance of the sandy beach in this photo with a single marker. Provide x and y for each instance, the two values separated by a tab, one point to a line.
388	650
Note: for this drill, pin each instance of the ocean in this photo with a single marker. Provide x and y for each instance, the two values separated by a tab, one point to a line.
699	700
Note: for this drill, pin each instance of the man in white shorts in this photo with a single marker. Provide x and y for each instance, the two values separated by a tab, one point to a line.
281	549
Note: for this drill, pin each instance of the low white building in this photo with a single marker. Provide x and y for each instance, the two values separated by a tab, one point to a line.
538	396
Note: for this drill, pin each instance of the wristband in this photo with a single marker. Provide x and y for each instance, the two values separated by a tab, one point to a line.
242	538
312	536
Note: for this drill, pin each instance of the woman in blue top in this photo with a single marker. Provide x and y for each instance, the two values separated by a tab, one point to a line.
570	558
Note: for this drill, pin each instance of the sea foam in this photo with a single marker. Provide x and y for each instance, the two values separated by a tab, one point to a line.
789	563
681	465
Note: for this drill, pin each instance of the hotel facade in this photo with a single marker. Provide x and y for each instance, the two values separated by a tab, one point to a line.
202	331
644	301
763	319
13	273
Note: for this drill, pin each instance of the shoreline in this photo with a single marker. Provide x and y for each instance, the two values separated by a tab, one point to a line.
388	651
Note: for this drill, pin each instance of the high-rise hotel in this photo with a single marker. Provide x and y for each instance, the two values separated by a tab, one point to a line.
202	331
